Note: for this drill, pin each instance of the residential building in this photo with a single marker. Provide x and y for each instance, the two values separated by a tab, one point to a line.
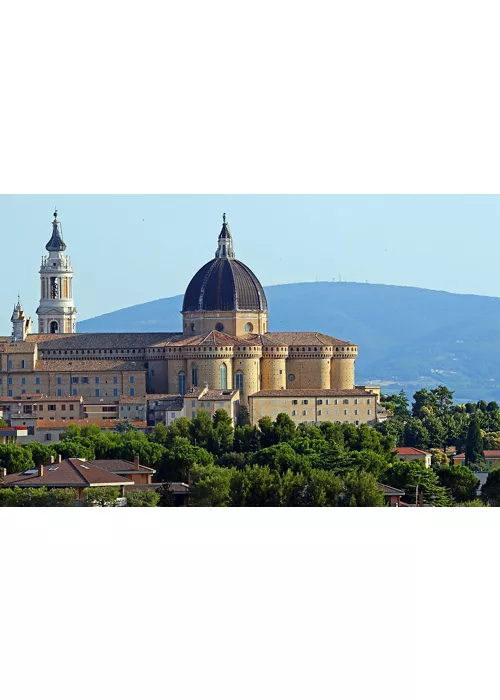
409	454
355	406
492	458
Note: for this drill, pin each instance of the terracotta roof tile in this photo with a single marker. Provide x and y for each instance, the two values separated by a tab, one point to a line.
69	473
270	393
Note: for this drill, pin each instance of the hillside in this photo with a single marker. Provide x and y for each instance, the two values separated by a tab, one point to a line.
407	336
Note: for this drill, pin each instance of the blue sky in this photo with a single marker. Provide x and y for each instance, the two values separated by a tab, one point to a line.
128	249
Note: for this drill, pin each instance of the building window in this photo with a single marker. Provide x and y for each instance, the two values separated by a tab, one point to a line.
305	401
51	407
239	380
369	411
115	392
346	412
23	391
48	436
59	380
294	413
194	375
37	391
345	401
97	392
291	377
368	401
355	402
182	383
9	364
304	412
23	364
336	402
97	380
356	422
115	380
75	392
356	412
248	328
132	392
72	407
219	327
23	380
37	380
223	376
319	412
59	392
31	429
9	380
9	392
74	380
132	380
319	402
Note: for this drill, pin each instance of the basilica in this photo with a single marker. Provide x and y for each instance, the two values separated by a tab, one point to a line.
225	346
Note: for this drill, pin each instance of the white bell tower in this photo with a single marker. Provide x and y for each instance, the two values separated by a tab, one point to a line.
56	312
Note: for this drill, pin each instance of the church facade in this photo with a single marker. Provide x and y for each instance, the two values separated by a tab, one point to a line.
225	345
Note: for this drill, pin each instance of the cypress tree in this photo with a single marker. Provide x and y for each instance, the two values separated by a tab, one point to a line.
474	448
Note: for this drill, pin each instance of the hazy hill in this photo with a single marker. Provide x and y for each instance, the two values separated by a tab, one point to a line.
407	336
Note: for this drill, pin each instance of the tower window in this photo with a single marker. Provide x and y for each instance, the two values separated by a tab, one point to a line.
248	328
219	327
194	375
54	327
239	380
223	376
182	383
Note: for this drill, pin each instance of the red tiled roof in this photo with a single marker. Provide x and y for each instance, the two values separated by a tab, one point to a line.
278	393
410	451
69	473
110	423
119	466
488	454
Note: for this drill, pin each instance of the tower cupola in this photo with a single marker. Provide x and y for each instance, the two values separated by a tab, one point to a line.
56	243
56	311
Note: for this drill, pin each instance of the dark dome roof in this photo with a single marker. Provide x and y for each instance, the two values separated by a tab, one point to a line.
224	284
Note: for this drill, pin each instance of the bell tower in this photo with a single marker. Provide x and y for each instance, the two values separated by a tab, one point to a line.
56	312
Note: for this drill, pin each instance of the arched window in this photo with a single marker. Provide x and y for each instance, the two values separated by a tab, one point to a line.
194	375
182	383
54	327
239	380
223	376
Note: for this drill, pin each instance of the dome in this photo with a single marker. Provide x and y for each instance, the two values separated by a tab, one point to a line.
56	243
224	284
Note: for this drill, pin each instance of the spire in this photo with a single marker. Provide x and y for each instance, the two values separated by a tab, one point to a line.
225	248
18	313
56	243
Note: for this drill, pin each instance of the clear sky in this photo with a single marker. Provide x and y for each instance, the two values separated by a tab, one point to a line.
128	249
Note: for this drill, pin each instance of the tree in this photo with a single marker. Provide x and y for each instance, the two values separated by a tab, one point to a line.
201	429
490	492
211	486
142	499
15	459
243	416
124	426
75	448
284	428
167	498
102	496
361	490
415	434
459	481
40	454
474	448
223	433
37	497
410	475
